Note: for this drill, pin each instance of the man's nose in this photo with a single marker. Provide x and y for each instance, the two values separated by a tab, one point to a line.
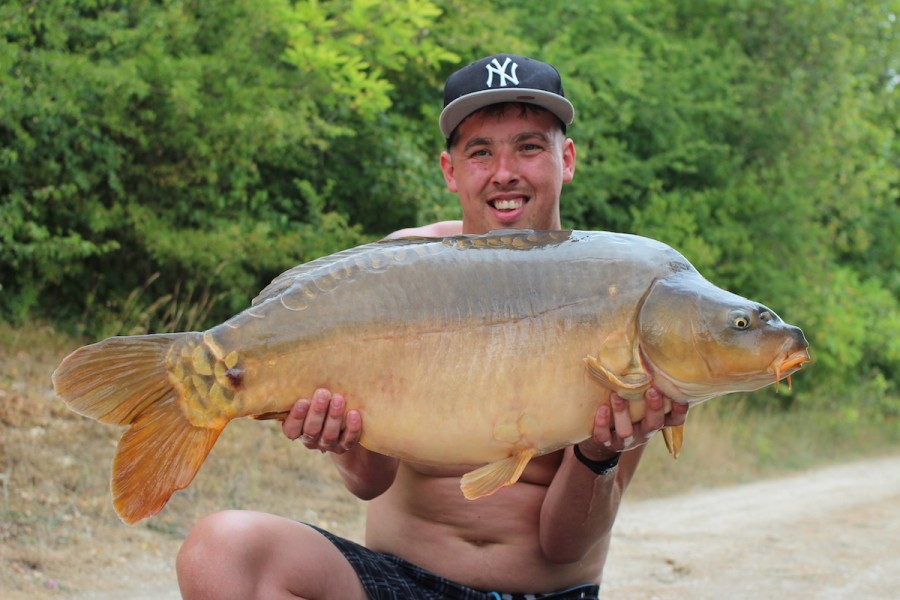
507	169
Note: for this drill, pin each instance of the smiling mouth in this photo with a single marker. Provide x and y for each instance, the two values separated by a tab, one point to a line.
508	205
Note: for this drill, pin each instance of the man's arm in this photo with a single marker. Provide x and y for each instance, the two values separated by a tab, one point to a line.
581	505
320	424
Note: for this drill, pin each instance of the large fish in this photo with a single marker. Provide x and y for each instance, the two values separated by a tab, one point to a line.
453	350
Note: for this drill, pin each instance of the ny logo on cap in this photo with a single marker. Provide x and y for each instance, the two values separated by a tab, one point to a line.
495	68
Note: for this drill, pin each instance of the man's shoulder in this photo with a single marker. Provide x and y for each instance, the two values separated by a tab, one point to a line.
439	229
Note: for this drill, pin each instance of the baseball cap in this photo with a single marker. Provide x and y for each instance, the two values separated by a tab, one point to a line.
503	78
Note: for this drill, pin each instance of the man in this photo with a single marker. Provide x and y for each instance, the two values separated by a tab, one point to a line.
507	158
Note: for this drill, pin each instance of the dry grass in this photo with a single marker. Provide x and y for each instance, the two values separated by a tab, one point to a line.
59	536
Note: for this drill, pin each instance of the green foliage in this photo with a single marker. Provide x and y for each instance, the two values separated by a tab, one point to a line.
184	113
372	66
161	161
346	48
761	140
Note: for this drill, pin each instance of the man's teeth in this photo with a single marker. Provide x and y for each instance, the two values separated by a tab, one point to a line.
507	204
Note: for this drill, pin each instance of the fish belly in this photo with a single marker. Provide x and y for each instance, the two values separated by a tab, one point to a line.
473	395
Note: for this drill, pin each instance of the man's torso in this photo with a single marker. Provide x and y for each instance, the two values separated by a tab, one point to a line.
489	543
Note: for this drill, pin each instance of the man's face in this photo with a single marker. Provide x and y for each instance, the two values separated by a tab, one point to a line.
509	169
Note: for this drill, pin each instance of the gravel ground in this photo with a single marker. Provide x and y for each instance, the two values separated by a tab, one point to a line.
832	533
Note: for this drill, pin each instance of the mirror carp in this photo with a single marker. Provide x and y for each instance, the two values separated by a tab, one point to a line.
454	350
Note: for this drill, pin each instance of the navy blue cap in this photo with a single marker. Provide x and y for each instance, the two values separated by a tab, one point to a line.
503	78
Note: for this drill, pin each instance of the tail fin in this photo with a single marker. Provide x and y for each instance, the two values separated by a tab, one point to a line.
124	380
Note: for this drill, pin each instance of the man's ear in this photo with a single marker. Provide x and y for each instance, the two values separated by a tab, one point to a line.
568	160
447	170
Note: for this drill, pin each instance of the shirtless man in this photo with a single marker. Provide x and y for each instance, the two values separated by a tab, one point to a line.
507	158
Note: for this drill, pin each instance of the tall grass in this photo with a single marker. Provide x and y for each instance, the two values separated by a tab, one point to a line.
187	307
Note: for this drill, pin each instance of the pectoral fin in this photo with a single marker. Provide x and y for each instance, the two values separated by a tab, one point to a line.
673	437
630	385
486	480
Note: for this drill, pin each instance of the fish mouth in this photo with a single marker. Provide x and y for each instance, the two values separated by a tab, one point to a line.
788	365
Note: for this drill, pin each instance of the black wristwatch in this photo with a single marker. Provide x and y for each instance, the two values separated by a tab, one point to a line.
600	467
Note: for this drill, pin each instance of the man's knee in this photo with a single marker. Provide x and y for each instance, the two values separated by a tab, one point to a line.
238	554
217	548
220	533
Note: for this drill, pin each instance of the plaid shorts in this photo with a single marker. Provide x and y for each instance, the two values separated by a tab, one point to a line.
388	577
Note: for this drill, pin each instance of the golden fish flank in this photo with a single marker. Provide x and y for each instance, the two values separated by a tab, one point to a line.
453	350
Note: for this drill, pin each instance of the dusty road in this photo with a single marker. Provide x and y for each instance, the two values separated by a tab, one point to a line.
832	533
827	534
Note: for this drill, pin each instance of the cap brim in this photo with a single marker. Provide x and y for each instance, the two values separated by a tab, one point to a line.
455	112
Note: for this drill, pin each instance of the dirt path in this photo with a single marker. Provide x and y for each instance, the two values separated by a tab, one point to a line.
832	533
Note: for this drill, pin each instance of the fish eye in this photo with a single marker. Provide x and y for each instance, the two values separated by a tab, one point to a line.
740	320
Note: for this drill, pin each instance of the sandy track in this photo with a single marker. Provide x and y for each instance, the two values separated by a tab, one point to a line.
828	533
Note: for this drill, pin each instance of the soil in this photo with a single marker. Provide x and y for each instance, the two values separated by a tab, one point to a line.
827	533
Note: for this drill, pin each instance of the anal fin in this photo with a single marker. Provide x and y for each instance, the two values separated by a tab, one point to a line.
486	480
280	415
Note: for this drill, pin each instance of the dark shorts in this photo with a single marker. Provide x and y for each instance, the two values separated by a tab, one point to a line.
388	577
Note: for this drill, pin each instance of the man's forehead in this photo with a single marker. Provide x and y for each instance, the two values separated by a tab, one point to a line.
508	123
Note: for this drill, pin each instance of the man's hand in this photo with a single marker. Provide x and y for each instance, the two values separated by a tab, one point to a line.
320	423
614	431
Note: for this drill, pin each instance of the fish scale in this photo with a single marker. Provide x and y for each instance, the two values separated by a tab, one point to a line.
199	370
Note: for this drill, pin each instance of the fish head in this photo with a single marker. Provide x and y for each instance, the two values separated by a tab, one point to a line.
699	341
